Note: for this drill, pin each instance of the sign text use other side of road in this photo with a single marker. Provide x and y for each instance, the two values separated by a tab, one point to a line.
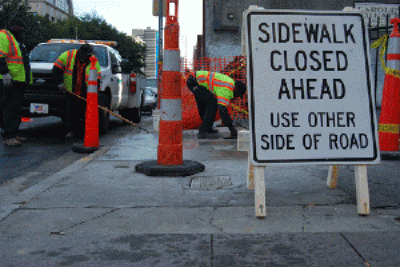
309	88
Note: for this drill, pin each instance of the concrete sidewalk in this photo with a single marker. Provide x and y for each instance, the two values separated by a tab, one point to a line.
101	212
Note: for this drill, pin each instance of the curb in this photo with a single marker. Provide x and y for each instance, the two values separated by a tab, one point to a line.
46	184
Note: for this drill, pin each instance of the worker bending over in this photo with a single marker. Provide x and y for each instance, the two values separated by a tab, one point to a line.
213	91
71	72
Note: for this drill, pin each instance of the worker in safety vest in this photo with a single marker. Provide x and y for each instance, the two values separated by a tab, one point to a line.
15	75
71	72
213	91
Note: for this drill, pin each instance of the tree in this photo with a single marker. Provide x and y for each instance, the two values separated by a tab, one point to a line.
93	27
39	29
11	10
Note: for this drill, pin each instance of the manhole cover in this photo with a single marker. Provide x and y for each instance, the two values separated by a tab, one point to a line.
211	183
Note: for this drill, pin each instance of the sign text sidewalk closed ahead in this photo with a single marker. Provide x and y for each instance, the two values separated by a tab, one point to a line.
309	88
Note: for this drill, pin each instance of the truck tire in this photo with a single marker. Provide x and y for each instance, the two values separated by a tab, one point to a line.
104	116
136	114
132	114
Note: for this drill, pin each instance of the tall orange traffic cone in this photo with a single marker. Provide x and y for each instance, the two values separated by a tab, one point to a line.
91	141
390	110
170	148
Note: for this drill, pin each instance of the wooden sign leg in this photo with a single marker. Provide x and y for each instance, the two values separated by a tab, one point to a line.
243	145
250	174
362	191
259	193
332	176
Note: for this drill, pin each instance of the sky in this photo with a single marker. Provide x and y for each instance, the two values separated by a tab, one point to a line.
126	15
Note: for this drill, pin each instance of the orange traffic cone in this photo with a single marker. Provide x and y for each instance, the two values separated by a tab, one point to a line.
91	141
390	110
170	148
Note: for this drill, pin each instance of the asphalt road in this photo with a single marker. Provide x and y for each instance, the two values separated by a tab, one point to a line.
45	152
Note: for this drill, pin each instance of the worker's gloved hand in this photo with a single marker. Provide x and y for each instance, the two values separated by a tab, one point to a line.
61	87
7	80
191	82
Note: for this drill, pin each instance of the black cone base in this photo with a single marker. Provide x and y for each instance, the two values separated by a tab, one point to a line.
151	168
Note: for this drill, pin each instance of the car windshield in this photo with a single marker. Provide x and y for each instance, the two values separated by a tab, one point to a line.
48	53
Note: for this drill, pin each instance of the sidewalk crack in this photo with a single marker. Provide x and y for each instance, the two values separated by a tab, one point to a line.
355	250
303	226
91	219
218	228
212	250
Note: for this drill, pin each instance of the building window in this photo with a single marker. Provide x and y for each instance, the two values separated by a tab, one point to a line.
61	4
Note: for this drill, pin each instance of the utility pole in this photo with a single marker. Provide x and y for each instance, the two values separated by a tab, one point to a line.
160	42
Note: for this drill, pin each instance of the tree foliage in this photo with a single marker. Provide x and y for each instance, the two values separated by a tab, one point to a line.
12	10
39	29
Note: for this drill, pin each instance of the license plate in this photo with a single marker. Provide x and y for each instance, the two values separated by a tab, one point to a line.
39	108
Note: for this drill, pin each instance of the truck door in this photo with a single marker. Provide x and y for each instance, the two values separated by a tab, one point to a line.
117	80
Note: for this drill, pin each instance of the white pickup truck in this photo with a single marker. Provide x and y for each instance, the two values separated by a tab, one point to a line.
43	98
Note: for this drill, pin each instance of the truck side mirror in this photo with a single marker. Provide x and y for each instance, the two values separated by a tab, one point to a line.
126	66
116	68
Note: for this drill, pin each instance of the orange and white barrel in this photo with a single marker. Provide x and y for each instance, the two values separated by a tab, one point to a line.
170	148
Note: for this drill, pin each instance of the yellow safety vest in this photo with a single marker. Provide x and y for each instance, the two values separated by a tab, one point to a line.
9	49
220	85
66	62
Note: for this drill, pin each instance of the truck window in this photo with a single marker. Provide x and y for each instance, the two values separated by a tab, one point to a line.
116	54
101	55
114	60
48	53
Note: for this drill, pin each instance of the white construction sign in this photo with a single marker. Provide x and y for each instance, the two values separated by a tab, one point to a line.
310	93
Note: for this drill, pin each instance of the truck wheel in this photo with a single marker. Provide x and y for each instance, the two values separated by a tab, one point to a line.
136	115
132	114
104	116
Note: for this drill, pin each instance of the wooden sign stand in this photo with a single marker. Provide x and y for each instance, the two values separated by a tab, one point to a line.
256	181
361	180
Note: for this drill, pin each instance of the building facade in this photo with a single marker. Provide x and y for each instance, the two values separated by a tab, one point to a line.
222	20
54	9
149	37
